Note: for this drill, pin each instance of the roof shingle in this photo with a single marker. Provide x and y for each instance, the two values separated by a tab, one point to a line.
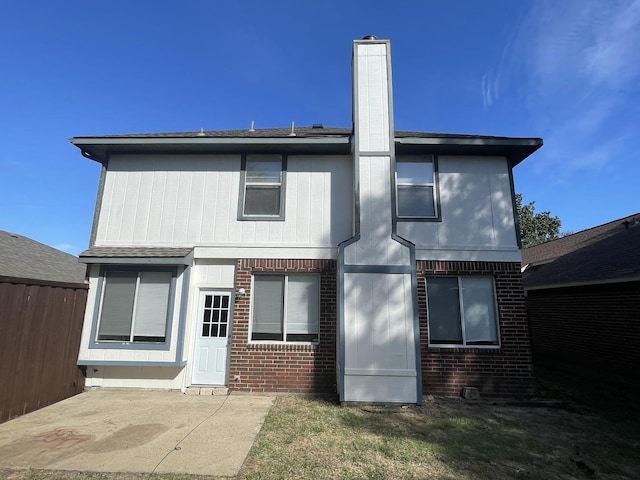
609	252
22	257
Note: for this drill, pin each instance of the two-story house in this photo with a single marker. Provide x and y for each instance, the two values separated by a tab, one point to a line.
383	265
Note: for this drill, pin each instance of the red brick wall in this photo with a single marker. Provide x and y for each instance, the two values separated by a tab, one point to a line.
505	371
284	367
596	325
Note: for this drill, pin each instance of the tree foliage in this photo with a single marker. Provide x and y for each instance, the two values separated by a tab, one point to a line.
536	228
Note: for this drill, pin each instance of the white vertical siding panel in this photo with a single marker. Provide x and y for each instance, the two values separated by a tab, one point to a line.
117	204
156	211
261	232
342	199
379	322
141	225
292	206
183	207
501	202
230	193
303	219
276	232
158	204
106	209
195	214
169	208
214	274
466	203
220	215
317	204
373	99
209	206
127	220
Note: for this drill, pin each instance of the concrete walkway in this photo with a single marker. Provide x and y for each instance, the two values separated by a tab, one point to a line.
136	431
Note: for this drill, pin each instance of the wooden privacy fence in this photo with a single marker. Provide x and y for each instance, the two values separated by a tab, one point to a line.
40	328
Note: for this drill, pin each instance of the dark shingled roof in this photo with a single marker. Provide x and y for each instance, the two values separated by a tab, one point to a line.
22	257
606	253
305	140
304	132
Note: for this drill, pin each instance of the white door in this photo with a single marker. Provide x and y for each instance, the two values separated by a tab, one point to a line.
210	353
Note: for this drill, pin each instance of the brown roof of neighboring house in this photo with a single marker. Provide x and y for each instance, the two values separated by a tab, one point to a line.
21	257
602	254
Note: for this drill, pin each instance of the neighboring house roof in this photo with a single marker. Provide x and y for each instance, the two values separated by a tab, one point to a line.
299	140
22	257
603	254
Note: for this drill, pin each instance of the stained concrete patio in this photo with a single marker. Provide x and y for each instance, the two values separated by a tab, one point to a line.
137	431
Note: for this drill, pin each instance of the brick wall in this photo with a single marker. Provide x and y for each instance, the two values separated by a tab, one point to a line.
596	325
284	367
506	371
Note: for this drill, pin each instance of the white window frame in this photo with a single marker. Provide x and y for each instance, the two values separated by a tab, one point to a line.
131	341
283	320
464	343
424	159
245	184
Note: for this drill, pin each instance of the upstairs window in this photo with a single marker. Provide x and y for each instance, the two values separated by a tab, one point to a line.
416	188
286	308
462	312
135	306
262	189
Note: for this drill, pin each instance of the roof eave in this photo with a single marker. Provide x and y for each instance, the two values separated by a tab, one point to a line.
515	149
98	148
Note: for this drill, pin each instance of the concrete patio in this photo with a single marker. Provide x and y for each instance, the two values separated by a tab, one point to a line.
136	431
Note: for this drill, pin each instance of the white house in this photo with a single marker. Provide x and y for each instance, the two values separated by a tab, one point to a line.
379	264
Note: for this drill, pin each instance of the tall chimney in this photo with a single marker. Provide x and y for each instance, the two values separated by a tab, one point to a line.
378	334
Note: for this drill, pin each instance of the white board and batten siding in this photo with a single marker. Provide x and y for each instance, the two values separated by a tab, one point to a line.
477	213
380	362
170	200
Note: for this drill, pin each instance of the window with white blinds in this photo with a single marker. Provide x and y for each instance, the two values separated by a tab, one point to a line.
262	187
134	306
286	308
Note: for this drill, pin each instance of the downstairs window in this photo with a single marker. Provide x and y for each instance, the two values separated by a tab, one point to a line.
461	311
134	307
286	308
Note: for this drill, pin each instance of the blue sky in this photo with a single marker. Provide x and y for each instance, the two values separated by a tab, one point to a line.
564	70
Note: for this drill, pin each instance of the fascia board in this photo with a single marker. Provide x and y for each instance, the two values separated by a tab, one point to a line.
464	141
84	141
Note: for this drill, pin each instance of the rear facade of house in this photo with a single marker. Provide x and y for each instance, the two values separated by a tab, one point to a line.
377	264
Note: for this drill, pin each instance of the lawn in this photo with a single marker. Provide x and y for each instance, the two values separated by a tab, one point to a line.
443	439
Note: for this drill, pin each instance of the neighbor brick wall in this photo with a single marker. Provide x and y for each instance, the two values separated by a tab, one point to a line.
284	367
506	371
594	324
